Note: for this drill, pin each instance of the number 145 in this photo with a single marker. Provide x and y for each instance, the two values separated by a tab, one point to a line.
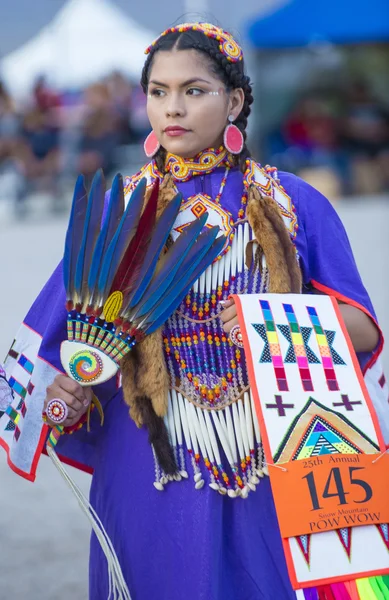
338	486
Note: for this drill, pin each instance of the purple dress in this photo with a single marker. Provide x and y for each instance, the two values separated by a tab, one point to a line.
193	543
185	542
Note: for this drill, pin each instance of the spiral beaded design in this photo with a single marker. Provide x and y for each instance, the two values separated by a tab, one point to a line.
86	366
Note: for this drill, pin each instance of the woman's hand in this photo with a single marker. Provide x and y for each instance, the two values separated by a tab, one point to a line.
229	315
76	397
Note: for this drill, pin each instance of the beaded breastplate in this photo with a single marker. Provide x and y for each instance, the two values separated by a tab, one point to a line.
211	417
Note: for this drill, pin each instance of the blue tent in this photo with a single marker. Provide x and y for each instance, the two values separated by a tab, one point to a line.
302	22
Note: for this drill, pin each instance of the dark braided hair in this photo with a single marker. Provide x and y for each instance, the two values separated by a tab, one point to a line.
232	74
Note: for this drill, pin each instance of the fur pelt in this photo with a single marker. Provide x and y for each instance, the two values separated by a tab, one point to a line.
272	236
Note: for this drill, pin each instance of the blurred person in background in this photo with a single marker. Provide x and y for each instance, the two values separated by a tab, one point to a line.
9	124
120	90
312	130
44	97
99	135
140	124
365	131
38	154
313	151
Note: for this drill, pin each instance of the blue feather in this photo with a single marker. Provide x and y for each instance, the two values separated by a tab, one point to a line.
197	256
112	218
127	273
181	288
160	234
169	265
124	233
92	226
74	236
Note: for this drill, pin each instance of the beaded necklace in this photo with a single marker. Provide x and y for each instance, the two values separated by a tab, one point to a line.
183	169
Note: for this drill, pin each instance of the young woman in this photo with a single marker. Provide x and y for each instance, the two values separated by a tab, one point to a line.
212	534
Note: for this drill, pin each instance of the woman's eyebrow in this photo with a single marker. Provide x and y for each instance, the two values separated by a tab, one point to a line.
194	80
158	83
184	84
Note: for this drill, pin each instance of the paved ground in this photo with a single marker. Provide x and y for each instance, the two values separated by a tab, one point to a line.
43	535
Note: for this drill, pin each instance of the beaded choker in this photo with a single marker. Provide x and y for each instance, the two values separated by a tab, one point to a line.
203	163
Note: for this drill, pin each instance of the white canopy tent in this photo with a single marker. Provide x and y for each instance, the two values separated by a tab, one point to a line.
86	40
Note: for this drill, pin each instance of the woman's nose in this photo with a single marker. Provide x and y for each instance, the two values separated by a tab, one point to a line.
175	106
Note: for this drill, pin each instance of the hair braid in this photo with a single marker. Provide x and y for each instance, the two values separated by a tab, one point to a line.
241	121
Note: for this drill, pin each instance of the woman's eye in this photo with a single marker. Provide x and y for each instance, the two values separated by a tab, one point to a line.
157	93
194	92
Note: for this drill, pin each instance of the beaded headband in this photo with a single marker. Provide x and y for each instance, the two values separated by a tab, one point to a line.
227	45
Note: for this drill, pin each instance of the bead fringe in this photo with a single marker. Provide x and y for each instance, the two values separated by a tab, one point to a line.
225	444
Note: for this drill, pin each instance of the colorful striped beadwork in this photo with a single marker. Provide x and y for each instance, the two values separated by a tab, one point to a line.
274	346
299	348
325	350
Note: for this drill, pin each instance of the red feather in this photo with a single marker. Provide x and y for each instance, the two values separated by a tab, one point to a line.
131	263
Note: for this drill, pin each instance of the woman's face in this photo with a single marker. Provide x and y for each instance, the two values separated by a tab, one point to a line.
188	107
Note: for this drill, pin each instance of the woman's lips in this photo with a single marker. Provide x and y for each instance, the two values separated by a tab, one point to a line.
175	131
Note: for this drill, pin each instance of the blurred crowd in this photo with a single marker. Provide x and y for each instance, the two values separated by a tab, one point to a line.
340	136
51	137
338	142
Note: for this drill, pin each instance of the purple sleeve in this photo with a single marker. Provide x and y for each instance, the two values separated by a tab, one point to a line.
325	253
326	257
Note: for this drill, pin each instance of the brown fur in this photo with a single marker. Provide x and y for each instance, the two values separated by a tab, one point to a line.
128	368
271	234
167	191
158	435
273	213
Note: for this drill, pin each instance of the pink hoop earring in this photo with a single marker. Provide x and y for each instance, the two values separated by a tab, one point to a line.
233	137
151	145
